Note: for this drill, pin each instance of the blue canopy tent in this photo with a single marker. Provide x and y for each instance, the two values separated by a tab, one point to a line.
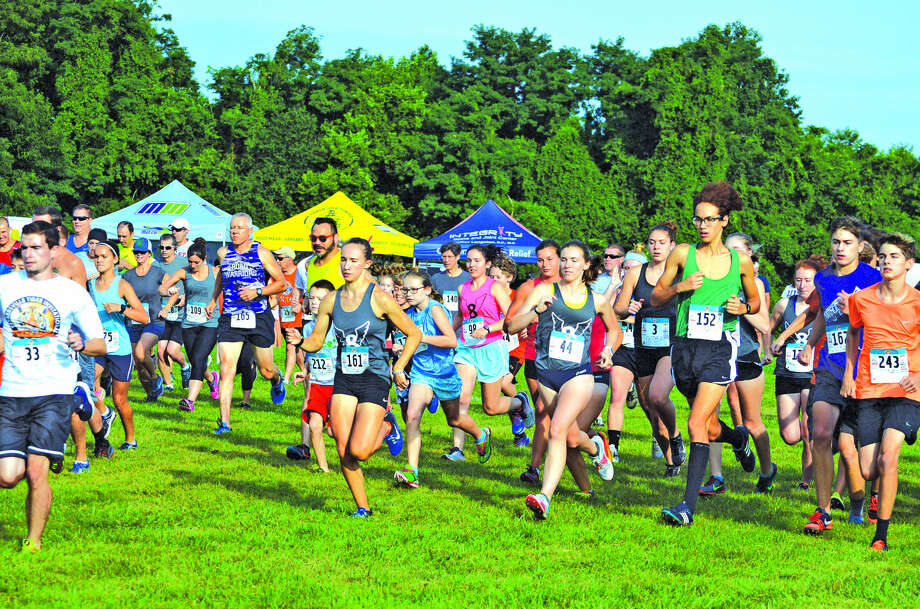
488	224
152	216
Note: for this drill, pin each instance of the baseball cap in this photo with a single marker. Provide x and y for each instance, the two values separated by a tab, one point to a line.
142	244
285	251
180	223
98	234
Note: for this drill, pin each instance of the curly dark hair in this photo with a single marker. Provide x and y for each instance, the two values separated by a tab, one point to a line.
721	194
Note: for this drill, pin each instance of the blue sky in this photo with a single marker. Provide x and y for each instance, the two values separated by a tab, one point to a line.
853	65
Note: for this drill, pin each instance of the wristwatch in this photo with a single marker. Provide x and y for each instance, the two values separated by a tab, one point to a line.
258	291
747	307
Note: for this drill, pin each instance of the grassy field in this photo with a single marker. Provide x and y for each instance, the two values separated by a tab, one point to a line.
194	520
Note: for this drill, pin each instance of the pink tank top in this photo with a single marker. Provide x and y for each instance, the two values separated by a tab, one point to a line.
479	309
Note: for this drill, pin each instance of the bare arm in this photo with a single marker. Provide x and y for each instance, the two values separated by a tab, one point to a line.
519	298
749	285
448	338
322	320
537	301
624	303
135	310
665	290
386	305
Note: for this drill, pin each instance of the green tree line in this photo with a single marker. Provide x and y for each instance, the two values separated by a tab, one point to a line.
98	104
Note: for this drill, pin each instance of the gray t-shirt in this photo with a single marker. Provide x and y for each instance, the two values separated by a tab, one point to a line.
147	289
449	288
175	314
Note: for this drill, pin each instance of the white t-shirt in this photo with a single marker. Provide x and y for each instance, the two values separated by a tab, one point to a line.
37	316
182	250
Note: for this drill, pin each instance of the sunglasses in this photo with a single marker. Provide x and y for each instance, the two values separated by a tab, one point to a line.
279	258
166	247
320	238
175	228
81	218
612	256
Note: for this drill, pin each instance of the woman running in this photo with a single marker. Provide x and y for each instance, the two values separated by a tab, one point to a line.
146	279
654	330
482	353
199	332
358	313
565	313
706	280
793	379
169	347
110	293
433	373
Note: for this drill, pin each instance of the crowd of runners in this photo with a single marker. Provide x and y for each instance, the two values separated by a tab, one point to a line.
82	312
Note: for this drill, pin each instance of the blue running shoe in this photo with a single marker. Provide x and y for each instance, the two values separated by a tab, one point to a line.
278	392
362	513
107	419
521	440
186	375
79	467
222	428
157	391
679	515
85	408
394	438
517	423
527	412
128	446
433	407
856	519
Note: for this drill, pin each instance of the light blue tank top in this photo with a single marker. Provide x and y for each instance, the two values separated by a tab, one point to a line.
428	359
197	296
242	271
116	337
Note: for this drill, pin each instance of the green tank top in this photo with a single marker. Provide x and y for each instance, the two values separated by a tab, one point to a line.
710	297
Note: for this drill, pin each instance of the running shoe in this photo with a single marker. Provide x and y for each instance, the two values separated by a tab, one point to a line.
406	477
454	454
588	494
169	388
872	512
765	483
186	405
714	486
671	471
107	419
521	440
678	451
598	422
186	376
222	428
278	393
85	408
56	467
362	513
856	519
614	453
300	452
433	406
879	545
79	467
394	439
245	405
819	522
744	454
837	503
517	422
527	412
601	460
128	446
484	448
632	398
656	450
803	486
679	515
104	450
538	504
29	547
157	390
212	384
531	476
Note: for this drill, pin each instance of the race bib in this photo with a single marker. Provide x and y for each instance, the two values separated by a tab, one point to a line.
471	325
32	355
513	341
146	310
792	358
173	314
195	313
656	332
111	340
243	319
629	338
705	322
399	338
837	338
355	360
566	347
287	313
322	369
451	300
887	365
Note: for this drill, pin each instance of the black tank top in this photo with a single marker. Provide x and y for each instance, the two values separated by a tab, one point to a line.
654	325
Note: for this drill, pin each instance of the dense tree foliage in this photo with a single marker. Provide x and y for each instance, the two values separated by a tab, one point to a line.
98	104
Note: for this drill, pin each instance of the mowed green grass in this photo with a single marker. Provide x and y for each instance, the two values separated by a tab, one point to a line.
191	519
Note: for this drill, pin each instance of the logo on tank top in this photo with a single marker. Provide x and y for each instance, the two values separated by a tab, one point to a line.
355	338
579	329
240	268
33	317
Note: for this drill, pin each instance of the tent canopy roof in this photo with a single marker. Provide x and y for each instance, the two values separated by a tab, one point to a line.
352	221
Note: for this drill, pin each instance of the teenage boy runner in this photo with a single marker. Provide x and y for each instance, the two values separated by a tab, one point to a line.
887	383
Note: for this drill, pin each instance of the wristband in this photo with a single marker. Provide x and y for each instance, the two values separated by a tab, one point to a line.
747	308
81	349
124	308
402	372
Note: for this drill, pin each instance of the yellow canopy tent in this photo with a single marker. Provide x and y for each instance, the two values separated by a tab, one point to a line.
351	220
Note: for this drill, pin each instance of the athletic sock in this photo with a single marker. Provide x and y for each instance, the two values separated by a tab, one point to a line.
613	436
696	469
732	436
881	530
856	506
481	438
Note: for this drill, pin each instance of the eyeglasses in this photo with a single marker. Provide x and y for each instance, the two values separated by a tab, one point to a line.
320	238
410	290
612	256
706	221
137	253
81	218
176	228
166	247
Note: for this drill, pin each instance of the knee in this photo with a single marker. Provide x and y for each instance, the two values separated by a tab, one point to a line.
315	424
9	478
868	472
36	473
823	435
267	372
573	438
887	462
557	433
791	435
360	453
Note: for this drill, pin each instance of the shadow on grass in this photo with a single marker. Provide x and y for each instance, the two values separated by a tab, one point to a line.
282	493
